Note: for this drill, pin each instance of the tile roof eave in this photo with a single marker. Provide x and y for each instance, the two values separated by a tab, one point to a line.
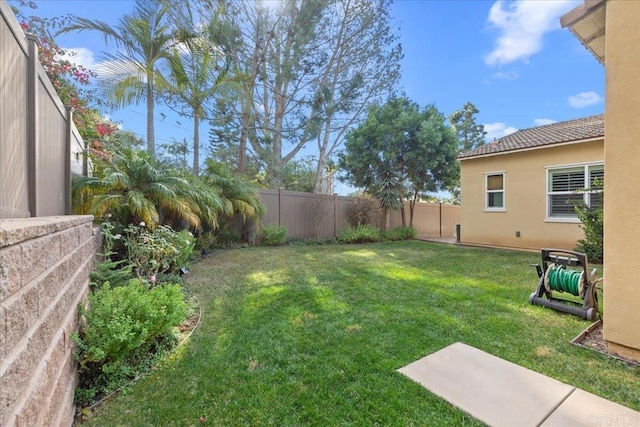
537	147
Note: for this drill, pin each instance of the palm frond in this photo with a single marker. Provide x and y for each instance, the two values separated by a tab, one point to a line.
142	208
108	32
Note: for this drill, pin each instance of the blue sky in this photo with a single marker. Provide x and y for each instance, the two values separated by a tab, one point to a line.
510	58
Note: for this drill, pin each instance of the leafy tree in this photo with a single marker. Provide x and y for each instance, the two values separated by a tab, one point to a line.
312	69
299	175
362	67
470	134
401	152
226	151
176	152
131	75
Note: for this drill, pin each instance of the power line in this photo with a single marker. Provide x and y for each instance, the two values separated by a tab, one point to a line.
155	120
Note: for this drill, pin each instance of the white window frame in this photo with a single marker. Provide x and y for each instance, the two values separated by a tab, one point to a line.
548	169
487	208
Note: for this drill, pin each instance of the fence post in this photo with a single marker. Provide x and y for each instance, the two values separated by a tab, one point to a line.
85	158
280	199
32	125
335	214
67	162
440	219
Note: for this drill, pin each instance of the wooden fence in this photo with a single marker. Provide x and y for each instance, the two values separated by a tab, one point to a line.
39	144
301	213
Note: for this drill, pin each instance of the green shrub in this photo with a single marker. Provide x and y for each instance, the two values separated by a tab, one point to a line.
364	210
359	234
227	235
117	273
122	319
400	233
123	327
273	235
593	227
162	250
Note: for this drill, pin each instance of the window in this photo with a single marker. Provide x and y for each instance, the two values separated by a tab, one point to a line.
494	185
571	185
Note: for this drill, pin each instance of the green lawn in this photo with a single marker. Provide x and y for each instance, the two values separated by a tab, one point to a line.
313	335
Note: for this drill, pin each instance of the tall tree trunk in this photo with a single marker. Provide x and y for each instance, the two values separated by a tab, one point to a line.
196	144
275	172
387	219
412	207
403	213
242	148
322	158
151	139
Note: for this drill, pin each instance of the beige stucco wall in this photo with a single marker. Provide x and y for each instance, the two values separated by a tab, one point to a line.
525	198
622	182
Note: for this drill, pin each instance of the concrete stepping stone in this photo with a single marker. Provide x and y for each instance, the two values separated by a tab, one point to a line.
495	391
586	409
501	393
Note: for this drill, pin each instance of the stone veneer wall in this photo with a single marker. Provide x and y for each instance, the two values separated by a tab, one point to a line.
44	273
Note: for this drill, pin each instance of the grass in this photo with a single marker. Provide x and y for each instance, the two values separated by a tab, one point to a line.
313	335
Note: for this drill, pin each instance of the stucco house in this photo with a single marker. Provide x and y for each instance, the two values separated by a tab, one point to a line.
519	191
610	30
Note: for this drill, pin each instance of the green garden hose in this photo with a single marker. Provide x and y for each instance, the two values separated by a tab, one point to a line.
558	278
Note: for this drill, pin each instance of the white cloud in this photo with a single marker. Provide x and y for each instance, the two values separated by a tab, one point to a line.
522	25
80	56
497	130
506	75
542	122
584	99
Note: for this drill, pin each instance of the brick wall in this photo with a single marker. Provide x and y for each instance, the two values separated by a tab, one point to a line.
44	273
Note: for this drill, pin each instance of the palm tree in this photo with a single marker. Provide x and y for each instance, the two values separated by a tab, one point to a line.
240	194
200	71
135	187
131	74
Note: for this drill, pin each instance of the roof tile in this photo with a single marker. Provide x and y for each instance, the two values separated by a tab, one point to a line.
555	133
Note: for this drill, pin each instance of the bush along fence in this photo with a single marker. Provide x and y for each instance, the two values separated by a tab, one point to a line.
307	215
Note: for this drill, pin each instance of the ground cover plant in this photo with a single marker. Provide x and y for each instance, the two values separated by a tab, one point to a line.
313	335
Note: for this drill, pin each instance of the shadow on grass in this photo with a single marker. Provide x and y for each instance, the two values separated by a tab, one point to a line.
313	336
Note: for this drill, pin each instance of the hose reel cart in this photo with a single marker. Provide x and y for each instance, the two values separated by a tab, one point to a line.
555	277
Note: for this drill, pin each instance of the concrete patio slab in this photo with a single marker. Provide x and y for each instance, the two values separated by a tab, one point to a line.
586	409
495	391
